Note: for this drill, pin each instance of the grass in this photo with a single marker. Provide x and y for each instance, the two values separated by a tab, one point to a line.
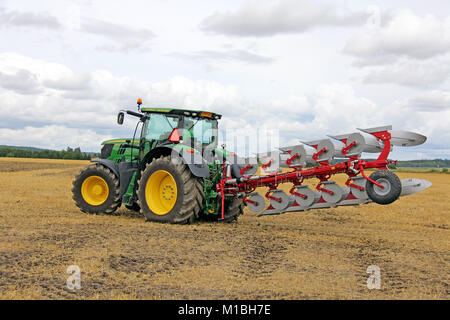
322	254
422	170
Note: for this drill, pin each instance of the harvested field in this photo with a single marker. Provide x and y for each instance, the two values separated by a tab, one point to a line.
314	255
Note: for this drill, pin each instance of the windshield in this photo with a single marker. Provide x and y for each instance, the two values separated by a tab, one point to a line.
160	126
200	130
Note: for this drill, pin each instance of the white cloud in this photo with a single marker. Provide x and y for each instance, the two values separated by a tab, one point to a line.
124	38
28	19
408	49
433	101
128	38
82	108
406	34
243	56
70	82
22	81
412	73
259	19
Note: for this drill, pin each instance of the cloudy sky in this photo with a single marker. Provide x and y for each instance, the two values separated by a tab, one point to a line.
307	68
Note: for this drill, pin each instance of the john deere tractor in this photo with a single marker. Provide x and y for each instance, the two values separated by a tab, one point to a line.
169	174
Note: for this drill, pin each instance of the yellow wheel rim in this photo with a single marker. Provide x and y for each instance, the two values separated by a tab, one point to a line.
95	190
161	192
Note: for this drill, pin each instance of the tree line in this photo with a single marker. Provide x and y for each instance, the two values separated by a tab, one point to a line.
68	154
436	163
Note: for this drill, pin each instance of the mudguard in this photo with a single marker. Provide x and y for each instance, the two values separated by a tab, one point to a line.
126	170
196	163
109	164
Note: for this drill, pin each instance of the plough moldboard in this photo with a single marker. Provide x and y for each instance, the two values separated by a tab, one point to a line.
382	186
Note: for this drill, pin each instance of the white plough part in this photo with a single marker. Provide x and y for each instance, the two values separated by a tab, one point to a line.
382	187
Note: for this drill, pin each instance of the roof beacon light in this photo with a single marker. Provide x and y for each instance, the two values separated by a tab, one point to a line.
139	103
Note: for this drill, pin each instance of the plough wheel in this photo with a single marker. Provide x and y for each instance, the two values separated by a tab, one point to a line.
392	187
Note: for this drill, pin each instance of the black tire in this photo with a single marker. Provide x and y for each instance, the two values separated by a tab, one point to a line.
134	207
190	195
233	209
112	202
392	187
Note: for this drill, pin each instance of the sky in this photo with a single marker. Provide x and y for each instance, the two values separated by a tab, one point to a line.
304	68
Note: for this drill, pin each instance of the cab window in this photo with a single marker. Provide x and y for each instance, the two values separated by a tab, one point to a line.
160	126
201	131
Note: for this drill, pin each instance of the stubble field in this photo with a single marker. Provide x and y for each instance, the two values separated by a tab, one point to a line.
320	254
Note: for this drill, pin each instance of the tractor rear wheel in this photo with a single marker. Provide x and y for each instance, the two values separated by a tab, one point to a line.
168	192
96	190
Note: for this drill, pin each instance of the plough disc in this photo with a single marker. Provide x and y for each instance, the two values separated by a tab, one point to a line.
354	144
332	193
255	202
309	197
358	193
279	200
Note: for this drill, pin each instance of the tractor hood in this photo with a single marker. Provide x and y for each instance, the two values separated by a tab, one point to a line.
112	149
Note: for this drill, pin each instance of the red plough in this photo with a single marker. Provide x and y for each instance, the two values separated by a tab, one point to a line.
382	186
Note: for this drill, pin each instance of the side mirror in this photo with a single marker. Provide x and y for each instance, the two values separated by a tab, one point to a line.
120	118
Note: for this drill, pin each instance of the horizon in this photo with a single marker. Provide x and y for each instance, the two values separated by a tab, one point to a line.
98	152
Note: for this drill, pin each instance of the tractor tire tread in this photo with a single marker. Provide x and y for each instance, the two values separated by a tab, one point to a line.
111	204
191	206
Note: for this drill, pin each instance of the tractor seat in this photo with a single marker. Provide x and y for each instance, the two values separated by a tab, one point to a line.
164	136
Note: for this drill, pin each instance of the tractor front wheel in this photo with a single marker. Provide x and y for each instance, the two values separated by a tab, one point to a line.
96	190
168	192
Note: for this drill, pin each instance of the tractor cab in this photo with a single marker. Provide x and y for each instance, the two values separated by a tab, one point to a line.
196	129
165	128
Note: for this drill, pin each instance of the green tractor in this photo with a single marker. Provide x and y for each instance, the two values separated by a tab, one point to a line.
170	174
